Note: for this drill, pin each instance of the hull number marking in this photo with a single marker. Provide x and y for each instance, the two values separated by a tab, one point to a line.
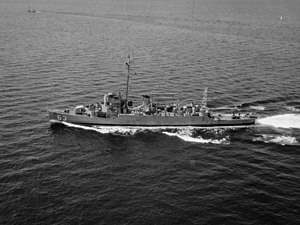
61	118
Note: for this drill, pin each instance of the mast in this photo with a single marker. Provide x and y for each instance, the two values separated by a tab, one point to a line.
128	68
204	99
193	12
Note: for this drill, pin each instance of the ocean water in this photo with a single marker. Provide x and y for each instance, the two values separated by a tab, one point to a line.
72	52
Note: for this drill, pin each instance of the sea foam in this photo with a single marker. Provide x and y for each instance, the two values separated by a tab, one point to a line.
277	139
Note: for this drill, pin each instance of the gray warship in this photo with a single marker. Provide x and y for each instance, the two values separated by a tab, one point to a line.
115	110
31	10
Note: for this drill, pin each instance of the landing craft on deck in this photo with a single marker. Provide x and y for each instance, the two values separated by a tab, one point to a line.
114	110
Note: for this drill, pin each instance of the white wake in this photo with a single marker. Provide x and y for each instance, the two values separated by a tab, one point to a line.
261	108
187	135
277	139
292	108
281	121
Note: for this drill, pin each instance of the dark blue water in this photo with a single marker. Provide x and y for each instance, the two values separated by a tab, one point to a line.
73	52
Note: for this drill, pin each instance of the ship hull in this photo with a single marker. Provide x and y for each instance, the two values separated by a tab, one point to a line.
147	120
